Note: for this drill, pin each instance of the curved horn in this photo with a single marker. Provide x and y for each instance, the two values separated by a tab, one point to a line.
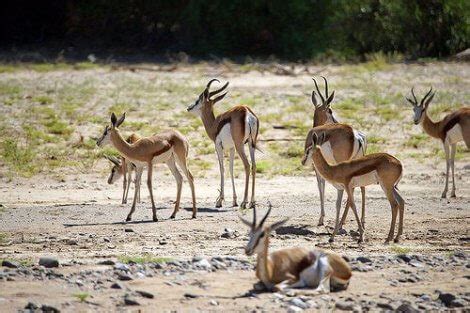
113	159
218	90
429	92
326	87
318	90
413	94
210	82
267	214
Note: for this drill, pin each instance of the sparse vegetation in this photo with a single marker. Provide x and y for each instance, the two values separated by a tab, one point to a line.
400	249
143	258
81	296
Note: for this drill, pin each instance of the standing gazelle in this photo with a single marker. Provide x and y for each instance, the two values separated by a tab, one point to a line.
294	267
230	130
344	143
167	147
454	127
381	168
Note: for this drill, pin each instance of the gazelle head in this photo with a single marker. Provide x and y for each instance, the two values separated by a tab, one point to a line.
420	109
115	123
313	140
116	171
323	113
206	100
259	233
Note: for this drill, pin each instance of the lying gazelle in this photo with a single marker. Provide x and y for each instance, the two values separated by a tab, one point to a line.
381	168
454	127
123	169
344	143
294	267
169	147
230	130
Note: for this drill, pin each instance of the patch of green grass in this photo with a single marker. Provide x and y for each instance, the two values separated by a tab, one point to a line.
143	258
387	113
293	151
374	148
19	157
9	88
372	139
400	249
263	166
43	99
58	127
417	140
349	108
81	296
35	135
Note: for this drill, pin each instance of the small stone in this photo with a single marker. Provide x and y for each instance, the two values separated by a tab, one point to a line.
71	242
425	297
145	294
345	306
407	308
107	262
125	277
106	239
299	303
122	267
204	264
10	264
446	298
404	257
191	295
293	309
363	259
48	262
213	302
49	309
386	306
130	301
416	263
457	303
229	233
128	230
117	286
31	306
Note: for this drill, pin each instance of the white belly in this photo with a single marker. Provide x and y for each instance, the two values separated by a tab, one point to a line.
370	178
454	135
224	138
162	158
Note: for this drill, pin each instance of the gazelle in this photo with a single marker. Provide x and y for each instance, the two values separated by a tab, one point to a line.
345	143
124	169
293	267
168	147
454	127
381	168
230	130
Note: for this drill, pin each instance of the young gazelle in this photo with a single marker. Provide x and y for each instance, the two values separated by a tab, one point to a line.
230	130
454	127
381	168
168	147
124	169
294	267
344	143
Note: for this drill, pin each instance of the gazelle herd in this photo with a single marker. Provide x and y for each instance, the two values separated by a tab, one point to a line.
336	151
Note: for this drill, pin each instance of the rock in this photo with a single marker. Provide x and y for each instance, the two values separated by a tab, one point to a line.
145	294
446	298
10	264
404	257
130	301
363	259
121	266
117	286
299	303
125	277
293	309
128	230
107	262
213	302
407	308
386	306
342	232
71	242
106	239
49	309
48	262
191	295
416	263
425	297
457	303
229	233
345	306
31	306
204	264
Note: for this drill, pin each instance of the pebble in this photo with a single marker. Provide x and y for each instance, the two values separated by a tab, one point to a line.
446	298
10	264
345	306
293	309
122	267
204	264
128	230
299	303
107	262
457	303
48	262
229	233
145	294
213	302
130	301
191	295
407	308
31	306
404	257
49	309
125	277
386	306
363	259
117	285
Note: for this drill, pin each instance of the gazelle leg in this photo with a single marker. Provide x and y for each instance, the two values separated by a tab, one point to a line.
394	206
345	214
149	185
363	208
253	174
220	155
128	185
241	152
401	207
124	184
182	164
452	164
138	174
179	183
234	192
338	211
321	191
447	151
350	192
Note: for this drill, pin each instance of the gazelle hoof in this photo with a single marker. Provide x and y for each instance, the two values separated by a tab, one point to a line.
243	205
155	219
396	240
252	205
331	240
128	219
124	202
452	195
444	195
194	216
172	216
234	203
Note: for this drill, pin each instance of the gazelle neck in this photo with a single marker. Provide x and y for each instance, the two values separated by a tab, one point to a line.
263	263
321	165
208	120
430	127
119	143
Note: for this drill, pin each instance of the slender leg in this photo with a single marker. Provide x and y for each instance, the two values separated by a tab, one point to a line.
138	174
452	164
220	155
253	174
128	185
401	206
182	164
321	191
234	192
124	182
446	149
241	152
394	206
149	185
363	209
179	184
356	215
338	211
345	214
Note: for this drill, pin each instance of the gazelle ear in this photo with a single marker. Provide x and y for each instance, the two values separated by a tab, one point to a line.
113	119
121	120
330	98
314	99
278	224
321	139
429	100
113	160
219	98
314	139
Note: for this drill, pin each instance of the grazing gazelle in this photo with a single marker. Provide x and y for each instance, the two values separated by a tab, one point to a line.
124	169
230	130
167	147
344	143
381	168
454	127
294	267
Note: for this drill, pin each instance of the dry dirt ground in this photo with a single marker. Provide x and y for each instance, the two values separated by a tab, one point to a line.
199	265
